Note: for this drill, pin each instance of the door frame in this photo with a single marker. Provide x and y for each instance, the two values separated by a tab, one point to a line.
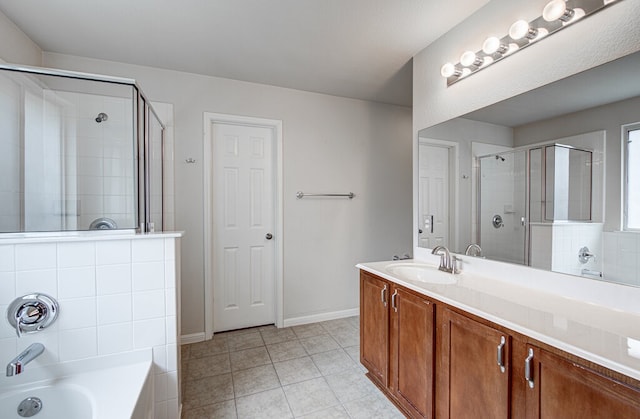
276	126
454	184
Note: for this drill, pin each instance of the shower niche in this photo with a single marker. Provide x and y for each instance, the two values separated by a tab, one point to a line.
77	152
544	200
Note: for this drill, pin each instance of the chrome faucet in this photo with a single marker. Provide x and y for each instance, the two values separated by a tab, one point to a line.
473	250
17	364
447	261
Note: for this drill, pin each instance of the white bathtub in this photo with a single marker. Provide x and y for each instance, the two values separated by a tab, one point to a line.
109	387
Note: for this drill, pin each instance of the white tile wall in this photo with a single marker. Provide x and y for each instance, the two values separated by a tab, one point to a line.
621	257
115	295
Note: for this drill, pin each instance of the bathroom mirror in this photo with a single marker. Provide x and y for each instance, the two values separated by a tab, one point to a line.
70	147
538	179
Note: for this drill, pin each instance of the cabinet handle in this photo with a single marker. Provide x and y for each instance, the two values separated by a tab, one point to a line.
500	353
393	301
383	295
528	368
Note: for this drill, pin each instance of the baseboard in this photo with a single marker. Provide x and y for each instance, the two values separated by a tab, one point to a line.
192	338
321	317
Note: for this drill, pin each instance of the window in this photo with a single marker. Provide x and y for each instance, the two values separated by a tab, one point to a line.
632	177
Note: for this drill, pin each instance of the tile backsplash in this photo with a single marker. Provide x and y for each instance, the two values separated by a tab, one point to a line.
116	294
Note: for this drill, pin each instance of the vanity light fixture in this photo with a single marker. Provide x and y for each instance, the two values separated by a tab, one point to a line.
556	15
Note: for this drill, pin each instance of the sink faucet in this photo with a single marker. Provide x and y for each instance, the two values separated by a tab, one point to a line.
473	248
17	364
447	261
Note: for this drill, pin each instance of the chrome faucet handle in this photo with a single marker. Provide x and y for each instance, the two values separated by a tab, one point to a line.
32	313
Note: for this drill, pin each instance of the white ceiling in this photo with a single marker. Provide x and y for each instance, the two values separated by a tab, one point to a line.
354	48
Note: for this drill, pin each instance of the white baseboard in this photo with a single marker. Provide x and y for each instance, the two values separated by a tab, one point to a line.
294	321
314	318
192	338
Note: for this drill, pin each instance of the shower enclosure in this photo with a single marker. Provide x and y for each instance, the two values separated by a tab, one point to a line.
77	152
541	185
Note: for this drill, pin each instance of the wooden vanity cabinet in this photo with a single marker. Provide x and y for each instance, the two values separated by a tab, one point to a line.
374	326
397	341
433	360
412	352
558	388
473	368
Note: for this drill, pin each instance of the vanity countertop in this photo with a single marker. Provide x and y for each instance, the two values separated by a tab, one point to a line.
600	334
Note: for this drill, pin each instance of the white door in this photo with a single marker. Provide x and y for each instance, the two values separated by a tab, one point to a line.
433	212
243	221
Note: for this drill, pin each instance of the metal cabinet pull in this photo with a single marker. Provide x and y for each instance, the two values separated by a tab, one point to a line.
383	295
500	353
528	368
393	301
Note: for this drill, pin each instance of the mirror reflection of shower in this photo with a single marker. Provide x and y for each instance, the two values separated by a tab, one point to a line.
528	193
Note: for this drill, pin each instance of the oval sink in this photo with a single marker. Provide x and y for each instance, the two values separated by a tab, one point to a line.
420	272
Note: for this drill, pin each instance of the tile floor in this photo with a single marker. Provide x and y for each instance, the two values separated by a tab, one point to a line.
308	371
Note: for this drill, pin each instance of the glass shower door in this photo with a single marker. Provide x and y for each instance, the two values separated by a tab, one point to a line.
502	198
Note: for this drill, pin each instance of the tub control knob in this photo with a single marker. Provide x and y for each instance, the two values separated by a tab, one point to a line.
32	312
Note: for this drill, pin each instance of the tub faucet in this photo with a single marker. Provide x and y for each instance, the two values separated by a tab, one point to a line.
17	364
447	261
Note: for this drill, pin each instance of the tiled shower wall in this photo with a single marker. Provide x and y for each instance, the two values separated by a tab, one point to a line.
116	293
621	257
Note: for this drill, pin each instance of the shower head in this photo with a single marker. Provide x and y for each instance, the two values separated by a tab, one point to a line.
102	117
499	157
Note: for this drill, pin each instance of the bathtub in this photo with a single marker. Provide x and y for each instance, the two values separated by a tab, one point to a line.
108	387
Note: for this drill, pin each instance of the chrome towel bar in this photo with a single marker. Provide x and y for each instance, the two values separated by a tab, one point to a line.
301	194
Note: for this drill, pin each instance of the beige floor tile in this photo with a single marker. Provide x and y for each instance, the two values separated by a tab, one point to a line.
333	362
286	350
249	358
214	346
350	385
320	343
207	367
372	406
310	396
274	335
308	330
271	404
208	390
336	412
222	410
242	341
296	370
255	380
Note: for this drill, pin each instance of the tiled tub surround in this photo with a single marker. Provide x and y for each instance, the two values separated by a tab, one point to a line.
594	320
117	294
310	371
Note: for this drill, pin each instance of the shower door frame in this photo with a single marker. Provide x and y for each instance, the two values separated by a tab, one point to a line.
526	238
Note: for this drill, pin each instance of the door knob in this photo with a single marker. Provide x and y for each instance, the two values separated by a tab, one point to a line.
269	236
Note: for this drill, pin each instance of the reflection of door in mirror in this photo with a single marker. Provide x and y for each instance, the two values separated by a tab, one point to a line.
434	219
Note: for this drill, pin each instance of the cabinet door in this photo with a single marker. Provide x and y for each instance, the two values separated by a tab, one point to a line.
374	326
560	389
470	382
412	352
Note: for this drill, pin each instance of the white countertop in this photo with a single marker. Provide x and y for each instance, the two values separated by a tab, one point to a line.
606	336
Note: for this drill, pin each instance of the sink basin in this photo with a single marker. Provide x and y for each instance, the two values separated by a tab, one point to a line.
420	272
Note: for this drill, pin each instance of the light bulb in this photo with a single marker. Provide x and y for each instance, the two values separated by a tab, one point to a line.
468	58
448	70
490	45
557	10
521	29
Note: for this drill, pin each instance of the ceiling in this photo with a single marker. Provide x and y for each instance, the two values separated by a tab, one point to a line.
608	83
353	48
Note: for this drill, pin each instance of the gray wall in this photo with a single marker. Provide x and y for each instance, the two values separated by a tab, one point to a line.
330	144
